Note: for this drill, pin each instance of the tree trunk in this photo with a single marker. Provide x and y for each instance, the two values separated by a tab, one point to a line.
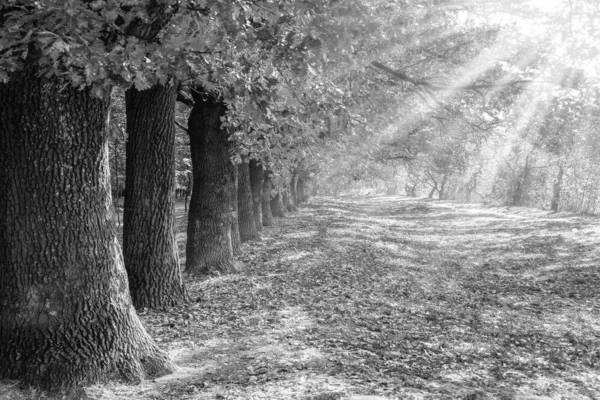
557	188
432	191
149	244
267	216
246	219
256	185
277	207
300	191
293	191
522	185
209	248
236	242
66	317
288	201
442	191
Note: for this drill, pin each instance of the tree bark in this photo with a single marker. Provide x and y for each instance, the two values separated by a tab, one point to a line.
149	244
277	207
66	317
236	242
246	219
209	247
256	185
267	216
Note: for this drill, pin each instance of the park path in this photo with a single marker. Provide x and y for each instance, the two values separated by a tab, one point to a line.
393	298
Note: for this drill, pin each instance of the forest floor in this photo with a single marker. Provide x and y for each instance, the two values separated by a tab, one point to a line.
391	298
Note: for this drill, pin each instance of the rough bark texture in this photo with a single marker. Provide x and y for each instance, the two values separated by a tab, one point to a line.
149	245
209	248
277	207
267	216
246	219
236	242
66	317
256	185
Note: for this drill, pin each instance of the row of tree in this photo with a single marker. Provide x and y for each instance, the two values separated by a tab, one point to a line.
274	92
68	292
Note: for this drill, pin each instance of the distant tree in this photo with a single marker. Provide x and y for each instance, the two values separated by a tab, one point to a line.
267	215
236	241
246	219
256	185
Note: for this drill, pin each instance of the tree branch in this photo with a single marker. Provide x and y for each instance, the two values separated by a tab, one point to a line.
185	99
183	128
435	88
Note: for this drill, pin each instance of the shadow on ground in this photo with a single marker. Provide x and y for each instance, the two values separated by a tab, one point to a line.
393	298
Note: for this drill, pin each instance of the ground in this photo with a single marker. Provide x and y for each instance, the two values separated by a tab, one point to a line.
389	298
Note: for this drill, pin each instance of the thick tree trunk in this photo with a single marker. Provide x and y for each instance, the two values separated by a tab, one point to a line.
149	244
209	248
66	317
277	207
236	242
246	219
557	188
267	216
256	185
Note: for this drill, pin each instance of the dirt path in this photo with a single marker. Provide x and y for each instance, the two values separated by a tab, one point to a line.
393	298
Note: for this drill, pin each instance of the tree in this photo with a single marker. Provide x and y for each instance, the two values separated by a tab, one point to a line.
256	186
236	241
67	317
149	245
209	247
246	220
267	215
277	207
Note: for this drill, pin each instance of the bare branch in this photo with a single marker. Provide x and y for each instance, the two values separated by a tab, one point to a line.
185	99
183	128
428	86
